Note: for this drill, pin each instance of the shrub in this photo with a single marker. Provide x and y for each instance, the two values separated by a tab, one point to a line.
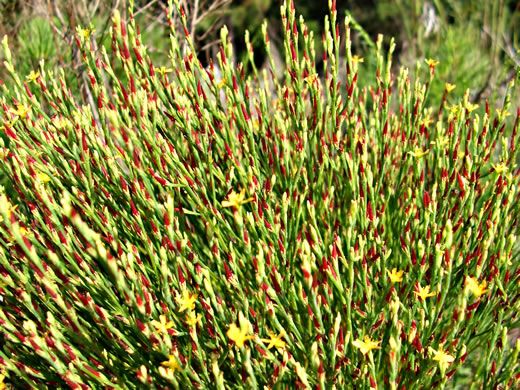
186	231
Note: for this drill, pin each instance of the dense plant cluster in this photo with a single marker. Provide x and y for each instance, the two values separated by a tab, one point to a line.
204	229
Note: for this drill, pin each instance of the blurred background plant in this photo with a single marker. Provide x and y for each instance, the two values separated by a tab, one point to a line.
474	41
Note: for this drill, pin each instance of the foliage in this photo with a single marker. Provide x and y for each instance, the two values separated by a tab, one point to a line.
189	230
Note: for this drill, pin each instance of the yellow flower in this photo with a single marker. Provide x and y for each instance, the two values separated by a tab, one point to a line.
395	276
171	365
366	345
85	32
274	340
426	121
162	325
187	301
502	113
431	63
192	318
236	200
476	288
450	87
357	58
239	335
20	111
454	109
310	79
2	384
42	177
9	123
222	83
418	153
471	107
441	142
424	292
443	358
500	168
33	76
162	70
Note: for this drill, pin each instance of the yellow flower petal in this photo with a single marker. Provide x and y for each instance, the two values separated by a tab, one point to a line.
186	301
239	335
33	76
450	87
418	153
192	318
500	168
163	70
172	364
424	292
431	63
395	276
366	345
162	325
443	358
274	340
471	107
476	288
236	200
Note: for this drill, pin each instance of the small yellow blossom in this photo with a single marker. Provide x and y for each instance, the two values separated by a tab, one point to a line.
42	177
222	83
21	110
85	32
162	325
60	123
9	124
454	109
502	113
471	107
192	318
418	153
366	345
33	76
236	200
357	59
274	340
476	288
426	121
424	292
500	168
310	79
450	87
443	358
239	335
431	63
2	384
441	142
395	276
187	301
170	366
163	70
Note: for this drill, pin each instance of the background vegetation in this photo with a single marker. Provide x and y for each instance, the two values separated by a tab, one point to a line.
474	41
